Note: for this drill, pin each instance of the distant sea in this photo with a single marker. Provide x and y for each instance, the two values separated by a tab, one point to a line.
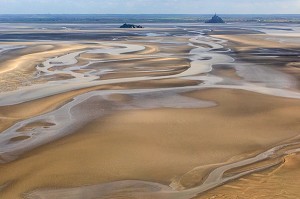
144	18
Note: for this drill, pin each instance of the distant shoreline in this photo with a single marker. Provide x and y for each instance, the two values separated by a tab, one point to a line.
145	18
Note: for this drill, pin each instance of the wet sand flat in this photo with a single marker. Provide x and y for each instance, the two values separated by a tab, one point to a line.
279	182
158	145
178	112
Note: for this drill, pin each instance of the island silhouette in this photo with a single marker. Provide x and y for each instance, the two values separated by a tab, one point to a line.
215	19
125	25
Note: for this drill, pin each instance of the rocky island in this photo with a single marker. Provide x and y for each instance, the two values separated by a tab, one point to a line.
215	19
125	25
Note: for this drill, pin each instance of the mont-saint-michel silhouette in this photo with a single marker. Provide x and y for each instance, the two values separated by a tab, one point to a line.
215	19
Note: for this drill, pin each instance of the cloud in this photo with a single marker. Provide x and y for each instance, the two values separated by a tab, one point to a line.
149	6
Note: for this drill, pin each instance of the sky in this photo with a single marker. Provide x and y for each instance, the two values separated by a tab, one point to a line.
149	6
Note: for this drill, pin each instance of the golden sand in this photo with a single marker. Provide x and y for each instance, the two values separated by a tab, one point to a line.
156	145
18	69
280	182
11	114
250	41
29	59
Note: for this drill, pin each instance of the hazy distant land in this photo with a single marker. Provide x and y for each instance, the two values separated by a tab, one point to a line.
146	18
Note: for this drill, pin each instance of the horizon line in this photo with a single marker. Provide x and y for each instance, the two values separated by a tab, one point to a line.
148	14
